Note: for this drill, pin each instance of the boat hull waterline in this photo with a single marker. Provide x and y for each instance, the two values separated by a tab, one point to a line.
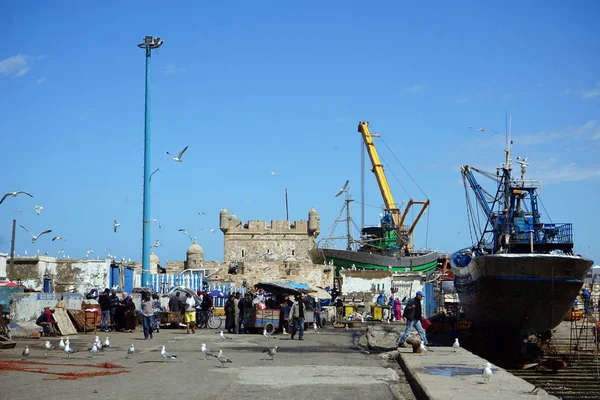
362	260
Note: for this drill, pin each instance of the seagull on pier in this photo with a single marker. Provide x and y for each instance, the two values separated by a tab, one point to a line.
268	335
130	351
26	352
271	351
456	345
33	237
14	194
69	350
487	373
48	346
62	343
223	336
185	233
207	352
222	359
116	225
157	223
180	156
107	342
93	349
166	355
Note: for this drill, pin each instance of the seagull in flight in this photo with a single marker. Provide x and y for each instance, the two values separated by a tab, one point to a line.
58	238
38	209
482	129
179	157
344	189
116	225
201	213
14	194
157	223
271	351
185	233
156	244
33	237
166	355
273	173
20	211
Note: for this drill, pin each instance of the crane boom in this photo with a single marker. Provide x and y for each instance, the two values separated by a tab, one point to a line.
384	187
402	234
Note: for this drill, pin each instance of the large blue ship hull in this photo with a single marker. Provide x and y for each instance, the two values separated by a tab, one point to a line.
520	293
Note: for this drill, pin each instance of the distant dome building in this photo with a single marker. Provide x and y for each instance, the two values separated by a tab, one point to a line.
195	256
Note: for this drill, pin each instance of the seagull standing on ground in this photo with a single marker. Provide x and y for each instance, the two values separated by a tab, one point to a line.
180	156
94	350
33	237
456	345
268	335
166	355
107	342
130	351
69	350
38	209
487	373
48	346
62	343
207	352
271	351
25	352
116	225
223	336
222	359
14	194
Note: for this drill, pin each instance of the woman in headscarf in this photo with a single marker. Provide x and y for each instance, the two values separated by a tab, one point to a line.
230	314
130	321
157	310
397	309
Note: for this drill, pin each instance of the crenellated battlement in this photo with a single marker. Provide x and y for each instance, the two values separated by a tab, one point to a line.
261	226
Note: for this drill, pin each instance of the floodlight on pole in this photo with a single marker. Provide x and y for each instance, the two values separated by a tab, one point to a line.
149	44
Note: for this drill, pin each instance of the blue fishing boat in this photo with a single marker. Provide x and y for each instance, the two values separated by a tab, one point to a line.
521	275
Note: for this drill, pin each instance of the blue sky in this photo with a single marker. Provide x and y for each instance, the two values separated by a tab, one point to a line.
268	86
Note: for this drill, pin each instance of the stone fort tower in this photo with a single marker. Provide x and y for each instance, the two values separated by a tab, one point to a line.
256	242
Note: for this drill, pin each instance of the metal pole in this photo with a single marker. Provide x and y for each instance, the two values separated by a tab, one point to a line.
287	214
146	213
12	246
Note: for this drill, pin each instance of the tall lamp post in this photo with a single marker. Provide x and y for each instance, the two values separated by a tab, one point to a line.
149	44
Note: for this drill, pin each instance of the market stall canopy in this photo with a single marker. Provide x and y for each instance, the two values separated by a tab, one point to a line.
284	287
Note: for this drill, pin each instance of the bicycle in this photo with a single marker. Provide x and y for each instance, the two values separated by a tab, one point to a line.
207	319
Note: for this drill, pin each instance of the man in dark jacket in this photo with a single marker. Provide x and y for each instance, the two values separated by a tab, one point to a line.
245	307
104	301
413	316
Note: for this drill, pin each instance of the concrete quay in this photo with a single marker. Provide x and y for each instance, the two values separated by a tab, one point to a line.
323	365
442	374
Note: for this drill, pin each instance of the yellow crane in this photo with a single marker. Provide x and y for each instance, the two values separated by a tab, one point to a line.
390	205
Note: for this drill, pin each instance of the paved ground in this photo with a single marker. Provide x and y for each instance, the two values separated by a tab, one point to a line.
324	365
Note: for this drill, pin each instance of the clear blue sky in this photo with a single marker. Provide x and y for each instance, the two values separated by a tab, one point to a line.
256	87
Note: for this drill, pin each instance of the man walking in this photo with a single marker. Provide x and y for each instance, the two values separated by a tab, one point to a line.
297	314
413	315
147	315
